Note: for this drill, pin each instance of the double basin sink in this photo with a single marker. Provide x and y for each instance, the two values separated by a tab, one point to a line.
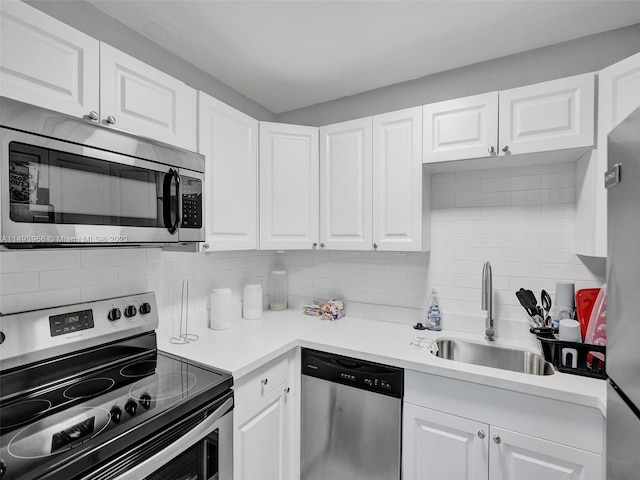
488	355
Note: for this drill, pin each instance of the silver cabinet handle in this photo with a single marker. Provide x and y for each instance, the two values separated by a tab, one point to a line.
287	390
375	246
205	246
322	245
505	149
492	150
265	381
481	433
93	116
111	120
497	439
315	244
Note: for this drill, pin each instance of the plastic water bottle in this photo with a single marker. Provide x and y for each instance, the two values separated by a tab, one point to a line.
434	315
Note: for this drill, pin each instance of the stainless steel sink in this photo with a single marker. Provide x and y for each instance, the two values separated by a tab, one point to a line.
487	355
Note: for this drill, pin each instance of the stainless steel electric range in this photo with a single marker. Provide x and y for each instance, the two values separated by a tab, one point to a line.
85	394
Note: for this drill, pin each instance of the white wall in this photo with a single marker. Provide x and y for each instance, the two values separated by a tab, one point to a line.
521	219
583	55
31	279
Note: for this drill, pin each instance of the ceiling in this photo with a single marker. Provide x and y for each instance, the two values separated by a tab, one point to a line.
290	54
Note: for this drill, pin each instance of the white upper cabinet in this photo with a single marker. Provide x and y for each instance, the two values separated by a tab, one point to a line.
47	63
547	116
345	185
543	117
618	96
141	99
461	128
229	140
400	195
288	186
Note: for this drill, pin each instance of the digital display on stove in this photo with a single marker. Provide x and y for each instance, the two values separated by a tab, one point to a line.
70	322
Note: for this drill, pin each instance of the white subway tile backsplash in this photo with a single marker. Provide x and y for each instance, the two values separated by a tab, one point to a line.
20	261
78	277
47	278
101	257
97	292
19	282
21	302
484	173
522	219
485	199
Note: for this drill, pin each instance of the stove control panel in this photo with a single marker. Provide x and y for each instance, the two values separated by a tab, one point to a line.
27	337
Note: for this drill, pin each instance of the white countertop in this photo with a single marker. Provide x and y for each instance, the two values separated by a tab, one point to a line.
251	343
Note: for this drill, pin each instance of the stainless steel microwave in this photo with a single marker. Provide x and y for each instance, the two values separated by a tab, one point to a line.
66	181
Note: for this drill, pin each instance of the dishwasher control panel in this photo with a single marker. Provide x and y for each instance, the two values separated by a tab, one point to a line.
361	374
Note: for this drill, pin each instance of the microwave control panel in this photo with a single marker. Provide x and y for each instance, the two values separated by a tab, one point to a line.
191	202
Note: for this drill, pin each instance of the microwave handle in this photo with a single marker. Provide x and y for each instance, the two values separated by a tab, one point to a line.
170	223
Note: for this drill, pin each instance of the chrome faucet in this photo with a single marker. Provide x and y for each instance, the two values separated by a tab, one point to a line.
487	299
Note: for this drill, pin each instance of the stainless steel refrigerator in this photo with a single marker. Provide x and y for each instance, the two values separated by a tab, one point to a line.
623	300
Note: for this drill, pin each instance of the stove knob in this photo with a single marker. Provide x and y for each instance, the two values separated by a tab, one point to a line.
2	337
116	413
130	311
114	314
130	407
145	308
145	400
3	468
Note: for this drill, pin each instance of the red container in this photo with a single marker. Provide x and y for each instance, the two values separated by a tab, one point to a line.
585	300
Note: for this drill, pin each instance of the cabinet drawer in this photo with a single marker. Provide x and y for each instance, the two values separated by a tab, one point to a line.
253	387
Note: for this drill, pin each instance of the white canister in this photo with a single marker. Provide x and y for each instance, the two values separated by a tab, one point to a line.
220	309
565	295
278	290
252	301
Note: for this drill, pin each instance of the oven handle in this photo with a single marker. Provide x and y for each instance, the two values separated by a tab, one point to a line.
150	465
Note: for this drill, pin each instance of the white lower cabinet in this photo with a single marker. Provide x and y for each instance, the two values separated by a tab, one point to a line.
441	446
491	434
264	437
513	455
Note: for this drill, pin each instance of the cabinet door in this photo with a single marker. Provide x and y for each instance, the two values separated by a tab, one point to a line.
398	181
47	63
345	185
618	96
146	101
229	141
262	438
517	456
547	116
288	186
441	446
462	128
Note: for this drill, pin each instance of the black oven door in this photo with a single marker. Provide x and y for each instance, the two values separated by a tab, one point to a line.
185	451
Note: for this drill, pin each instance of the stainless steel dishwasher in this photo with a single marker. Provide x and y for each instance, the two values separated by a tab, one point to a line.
351	418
